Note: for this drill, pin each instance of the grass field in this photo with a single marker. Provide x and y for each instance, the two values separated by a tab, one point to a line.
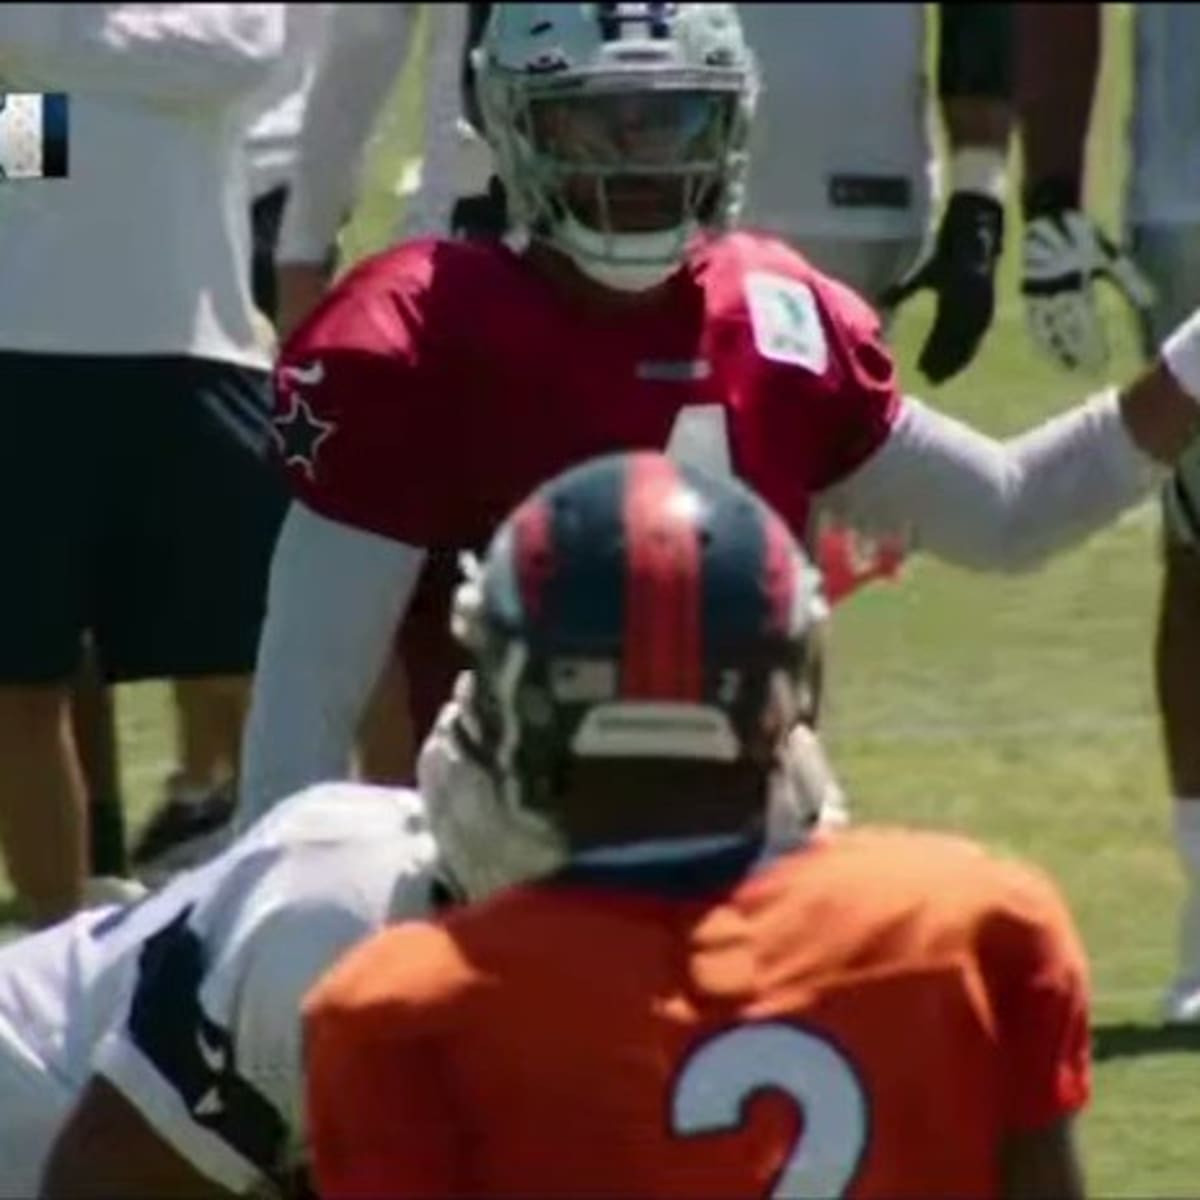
1019	710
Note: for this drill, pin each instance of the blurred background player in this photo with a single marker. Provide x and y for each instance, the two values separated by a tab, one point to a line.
199	793
639	637
1065	252
141	508
620	313
337	174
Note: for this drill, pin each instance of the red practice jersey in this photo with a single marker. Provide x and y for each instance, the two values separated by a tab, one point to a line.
442	381
868	1017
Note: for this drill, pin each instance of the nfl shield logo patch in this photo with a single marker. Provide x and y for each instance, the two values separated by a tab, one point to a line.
787	326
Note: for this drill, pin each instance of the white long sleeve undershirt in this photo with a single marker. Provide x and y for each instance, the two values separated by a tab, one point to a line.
334	601
992	505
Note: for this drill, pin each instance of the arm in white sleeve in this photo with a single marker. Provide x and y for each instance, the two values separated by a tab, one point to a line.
334	601
366	45
992	505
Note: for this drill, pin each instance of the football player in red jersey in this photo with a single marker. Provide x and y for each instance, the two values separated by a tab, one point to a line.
441	380
651	993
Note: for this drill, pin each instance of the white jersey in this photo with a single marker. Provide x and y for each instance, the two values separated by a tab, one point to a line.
1164	171
189	1002
144	248
843	142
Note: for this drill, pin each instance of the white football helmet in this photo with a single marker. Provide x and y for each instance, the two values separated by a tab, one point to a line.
620	130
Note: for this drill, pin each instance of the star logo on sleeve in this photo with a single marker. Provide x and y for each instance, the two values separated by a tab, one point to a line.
300	433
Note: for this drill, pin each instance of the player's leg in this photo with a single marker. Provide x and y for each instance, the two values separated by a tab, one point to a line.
93	720
52	468
209	712
1170	257
42	801
1177	676
186	601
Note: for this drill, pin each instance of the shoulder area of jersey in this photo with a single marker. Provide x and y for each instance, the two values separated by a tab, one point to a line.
790	305
415	264
350	814
937	864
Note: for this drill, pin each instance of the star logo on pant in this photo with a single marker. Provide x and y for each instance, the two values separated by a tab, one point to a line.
299	434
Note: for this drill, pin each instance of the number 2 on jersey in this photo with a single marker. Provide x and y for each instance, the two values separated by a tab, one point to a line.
728	1069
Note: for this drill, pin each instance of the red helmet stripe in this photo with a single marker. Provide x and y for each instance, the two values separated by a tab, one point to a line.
662	657
533	546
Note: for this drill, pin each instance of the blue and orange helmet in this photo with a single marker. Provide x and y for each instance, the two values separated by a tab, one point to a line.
634	608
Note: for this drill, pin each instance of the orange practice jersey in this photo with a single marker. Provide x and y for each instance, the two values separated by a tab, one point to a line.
868	1017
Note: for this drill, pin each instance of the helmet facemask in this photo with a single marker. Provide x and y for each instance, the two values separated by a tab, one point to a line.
624	180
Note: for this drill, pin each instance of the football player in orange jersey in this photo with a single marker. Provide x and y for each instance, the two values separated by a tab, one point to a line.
653	991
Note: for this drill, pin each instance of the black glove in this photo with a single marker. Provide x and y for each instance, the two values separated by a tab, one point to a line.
961	268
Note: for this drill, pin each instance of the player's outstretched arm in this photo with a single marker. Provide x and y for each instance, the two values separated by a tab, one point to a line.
334	601
992	505
106	1147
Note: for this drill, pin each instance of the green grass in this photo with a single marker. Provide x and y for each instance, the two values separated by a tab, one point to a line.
1019	710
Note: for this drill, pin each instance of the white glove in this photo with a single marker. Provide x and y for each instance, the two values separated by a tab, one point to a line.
1064	253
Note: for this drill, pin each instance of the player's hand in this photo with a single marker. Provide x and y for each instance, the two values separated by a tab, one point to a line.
1064	253
961	269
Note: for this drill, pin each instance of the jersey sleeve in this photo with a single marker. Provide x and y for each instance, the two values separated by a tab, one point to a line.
379	1114
1037	974
208	1049
365	424
865	402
